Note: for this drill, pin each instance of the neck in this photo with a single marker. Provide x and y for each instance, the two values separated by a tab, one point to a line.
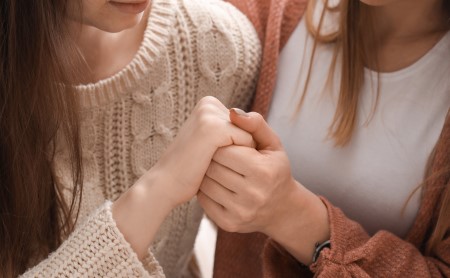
409	19
107	53
402	32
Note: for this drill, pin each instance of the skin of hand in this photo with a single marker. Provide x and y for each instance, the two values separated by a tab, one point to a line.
176	177
252	190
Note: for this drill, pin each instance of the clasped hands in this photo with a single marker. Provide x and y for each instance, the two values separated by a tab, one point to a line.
237	167
236	164
246	187
233	162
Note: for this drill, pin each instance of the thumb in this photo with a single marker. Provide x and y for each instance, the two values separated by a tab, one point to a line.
254	123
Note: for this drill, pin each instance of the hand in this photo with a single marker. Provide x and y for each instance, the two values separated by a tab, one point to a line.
184	164
248	190
176	177
245	189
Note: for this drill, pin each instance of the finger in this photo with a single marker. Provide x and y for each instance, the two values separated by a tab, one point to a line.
239	137
254	123
218	214
213	117
216	191
212	209
240	159
224	176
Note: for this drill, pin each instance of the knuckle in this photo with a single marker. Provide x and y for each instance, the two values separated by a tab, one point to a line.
204	109
258	116
220	152
266	173
230	226
201	199
206	121
207	100
212	170
260	199
204	187
272	169
246	216
259	119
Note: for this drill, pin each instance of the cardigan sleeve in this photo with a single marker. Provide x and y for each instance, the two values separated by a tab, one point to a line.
96	249
354	253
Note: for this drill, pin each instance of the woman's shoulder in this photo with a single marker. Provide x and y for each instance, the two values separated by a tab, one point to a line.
215	44
216	22
197	15
206	13
273	17
219	31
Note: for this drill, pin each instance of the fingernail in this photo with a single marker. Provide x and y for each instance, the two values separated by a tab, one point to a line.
240	112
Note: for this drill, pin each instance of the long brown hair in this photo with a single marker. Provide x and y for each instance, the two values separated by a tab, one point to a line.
349	44
36	104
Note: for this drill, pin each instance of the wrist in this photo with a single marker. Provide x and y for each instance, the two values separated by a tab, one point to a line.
156	185
140	211
303	216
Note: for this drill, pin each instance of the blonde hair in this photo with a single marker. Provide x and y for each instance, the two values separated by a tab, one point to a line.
349	44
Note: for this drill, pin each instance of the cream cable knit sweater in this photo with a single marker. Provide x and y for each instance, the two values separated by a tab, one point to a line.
191	48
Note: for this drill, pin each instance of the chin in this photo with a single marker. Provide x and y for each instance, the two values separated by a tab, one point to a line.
117	24
377	2
121	26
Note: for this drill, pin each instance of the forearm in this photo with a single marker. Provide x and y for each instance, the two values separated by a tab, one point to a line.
140	211
302	222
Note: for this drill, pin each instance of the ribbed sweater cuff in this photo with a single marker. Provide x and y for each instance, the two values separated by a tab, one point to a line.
96	249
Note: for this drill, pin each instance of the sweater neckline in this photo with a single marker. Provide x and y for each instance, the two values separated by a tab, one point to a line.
156	35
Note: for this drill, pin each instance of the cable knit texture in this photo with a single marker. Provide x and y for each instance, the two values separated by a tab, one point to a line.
191	48
353	252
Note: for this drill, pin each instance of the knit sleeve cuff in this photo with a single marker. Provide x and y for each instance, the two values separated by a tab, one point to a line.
346	235
96	249
152	265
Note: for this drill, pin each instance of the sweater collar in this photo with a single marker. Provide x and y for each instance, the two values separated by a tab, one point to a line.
156	35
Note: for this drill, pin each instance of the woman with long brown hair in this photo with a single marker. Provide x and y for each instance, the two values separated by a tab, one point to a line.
92	94
353	181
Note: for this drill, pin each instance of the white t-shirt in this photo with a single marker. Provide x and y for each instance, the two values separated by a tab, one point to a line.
371	178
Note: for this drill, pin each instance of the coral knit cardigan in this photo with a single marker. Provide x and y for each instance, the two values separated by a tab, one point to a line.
353	253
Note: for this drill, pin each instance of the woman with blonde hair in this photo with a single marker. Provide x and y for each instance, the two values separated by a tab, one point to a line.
353	180
93	181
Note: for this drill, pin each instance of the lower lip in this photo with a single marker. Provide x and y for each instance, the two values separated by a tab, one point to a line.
130	8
